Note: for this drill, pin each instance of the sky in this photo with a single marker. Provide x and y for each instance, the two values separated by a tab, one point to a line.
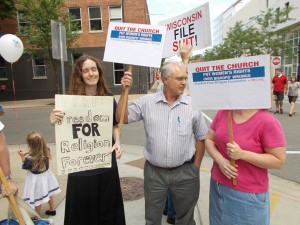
160	10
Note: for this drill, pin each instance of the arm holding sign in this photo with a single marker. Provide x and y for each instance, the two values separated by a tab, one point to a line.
126	83
273	158
56	116
224	164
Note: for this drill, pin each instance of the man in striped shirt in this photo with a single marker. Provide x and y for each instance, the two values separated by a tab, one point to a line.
174	149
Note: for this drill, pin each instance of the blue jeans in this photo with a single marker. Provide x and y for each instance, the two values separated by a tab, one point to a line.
169	207
228	206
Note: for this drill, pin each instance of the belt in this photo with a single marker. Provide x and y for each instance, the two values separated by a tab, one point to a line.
173	168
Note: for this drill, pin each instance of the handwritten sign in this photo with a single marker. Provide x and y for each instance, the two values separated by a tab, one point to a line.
84	138
136	44
239	83
192	27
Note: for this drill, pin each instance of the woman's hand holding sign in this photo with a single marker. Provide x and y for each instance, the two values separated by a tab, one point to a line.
234	151
227	169
56	116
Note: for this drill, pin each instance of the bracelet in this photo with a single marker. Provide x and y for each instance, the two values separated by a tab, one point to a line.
8	177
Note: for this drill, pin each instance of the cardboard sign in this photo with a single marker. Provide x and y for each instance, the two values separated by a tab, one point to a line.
192	27
239	83
136	44
84	138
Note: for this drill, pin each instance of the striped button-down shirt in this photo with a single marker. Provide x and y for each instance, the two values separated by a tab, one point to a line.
171	130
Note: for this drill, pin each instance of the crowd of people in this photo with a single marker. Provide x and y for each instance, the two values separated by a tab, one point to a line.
176	138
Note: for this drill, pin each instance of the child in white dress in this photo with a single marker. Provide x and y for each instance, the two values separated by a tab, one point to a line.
40	183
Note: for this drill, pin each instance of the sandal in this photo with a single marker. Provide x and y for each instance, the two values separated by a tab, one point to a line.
50	213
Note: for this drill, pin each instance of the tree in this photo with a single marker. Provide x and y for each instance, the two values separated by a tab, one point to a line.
264	38
38	14
271	37
7	9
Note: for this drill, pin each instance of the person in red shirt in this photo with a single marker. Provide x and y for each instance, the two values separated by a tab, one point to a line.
280	84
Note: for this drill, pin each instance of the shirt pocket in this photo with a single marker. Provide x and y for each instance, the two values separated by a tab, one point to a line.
184	128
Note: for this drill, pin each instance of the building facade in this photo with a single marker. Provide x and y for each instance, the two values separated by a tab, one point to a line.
33	78
244	10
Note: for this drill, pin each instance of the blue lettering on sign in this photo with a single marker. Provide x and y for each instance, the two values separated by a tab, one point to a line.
242	73
156	37
137	36
114	34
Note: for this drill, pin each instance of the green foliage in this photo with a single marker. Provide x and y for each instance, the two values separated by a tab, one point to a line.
263	38
37	30
38	14
7	9
195	57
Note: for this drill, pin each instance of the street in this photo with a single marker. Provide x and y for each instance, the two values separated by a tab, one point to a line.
19	122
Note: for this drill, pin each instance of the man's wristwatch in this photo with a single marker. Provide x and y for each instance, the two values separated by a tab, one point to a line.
8	177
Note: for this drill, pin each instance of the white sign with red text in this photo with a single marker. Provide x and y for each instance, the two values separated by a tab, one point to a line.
136	44
239	83
192	27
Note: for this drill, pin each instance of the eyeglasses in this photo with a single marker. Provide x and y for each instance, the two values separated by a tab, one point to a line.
180	79
93	69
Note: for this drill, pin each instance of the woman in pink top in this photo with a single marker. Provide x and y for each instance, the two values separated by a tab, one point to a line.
259	144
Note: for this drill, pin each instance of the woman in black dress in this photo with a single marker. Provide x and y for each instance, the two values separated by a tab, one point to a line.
93	197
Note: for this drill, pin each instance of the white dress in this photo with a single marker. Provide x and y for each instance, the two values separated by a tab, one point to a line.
38	187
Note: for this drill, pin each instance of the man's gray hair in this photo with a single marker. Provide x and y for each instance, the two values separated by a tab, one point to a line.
168	68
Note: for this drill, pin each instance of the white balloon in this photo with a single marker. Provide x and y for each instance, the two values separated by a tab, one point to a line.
11	47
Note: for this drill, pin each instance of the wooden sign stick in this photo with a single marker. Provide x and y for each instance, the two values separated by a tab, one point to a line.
11	198
230	132
124	103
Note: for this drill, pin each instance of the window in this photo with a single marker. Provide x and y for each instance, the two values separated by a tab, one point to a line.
23	24
39	68
118	72
115	14
95	19
3	74
76	20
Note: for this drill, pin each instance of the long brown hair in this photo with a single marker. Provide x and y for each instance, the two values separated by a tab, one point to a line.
295	79
38	150
76	85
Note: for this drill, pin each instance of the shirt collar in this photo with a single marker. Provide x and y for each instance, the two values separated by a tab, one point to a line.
160	97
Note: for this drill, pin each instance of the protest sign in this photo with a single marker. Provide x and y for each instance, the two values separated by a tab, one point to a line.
136	44
239	83
192	27
84	137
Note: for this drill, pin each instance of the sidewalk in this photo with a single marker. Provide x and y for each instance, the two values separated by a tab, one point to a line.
285	195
